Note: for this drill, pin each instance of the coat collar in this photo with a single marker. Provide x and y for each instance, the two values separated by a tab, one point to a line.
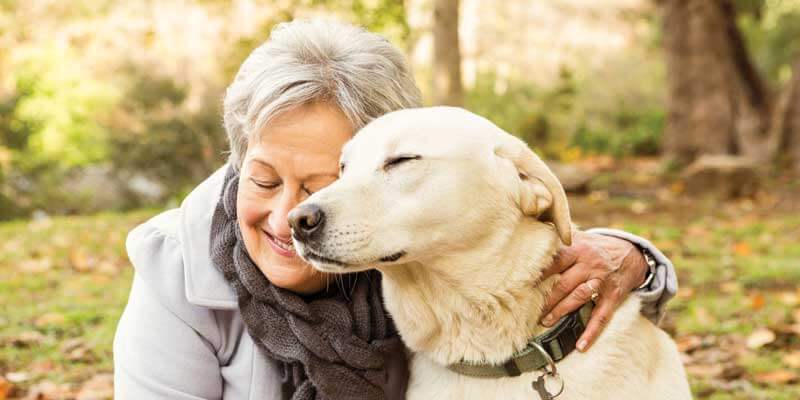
205	285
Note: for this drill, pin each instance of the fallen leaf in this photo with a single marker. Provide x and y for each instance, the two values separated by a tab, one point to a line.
742	249
639	207
792	359
5	388
757	301
789	298
685	293
76	350
705	370
597	196
17	376
107	267
47	390
25	339
777	377
80	261
687	344
100	387
42	367
730	287
795	328
704	317
760	337
49	319
35	265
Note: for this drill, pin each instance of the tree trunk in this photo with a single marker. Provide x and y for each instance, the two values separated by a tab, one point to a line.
717	103
447	86
786	120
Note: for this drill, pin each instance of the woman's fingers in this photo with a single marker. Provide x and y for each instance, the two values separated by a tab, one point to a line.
564	259
579	294
601	315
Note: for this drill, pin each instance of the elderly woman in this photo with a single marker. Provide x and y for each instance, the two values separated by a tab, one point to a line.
222	307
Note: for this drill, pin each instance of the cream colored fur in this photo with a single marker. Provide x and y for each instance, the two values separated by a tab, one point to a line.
476	216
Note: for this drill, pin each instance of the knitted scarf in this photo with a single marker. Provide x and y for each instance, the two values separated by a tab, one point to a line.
338	344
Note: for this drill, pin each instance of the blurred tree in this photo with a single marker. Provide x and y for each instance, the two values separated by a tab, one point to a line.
447	86
718	102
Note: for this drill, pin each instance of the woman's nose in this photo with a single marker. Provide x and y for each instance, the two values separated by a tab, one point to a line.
279	217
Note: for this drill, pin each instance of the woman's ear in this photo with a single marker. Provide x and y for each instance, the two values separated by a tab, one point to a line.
540	193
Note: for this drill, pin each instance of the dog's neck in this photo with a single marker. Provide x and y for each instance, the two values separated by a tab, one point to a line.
479	305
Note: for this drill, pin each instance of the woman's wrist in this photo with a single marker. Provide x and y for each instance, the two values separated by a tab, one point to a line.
638	263
651	265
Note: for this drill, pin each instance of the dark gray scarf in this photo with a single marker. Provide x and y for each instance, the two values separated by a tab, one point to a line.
339	344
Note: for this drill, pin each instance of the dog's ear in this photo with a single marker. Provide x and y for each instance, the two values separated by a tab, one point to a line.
541	194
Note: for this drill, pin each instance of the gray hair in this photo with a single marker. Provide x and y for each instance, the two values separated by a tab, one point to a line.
360	72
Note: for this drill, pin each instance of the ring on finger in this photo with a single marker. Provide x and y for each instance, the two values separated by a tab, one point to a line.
595	294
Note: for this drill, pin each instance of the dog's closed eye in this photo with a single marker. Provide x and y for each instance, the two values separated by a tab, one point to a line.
395	161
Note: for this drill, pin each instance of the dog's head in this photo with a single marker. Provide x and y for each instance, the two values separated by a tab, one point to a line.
422	183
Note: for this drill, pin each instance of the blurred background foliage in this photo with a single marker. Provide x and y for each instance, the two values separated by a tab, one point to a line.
124	97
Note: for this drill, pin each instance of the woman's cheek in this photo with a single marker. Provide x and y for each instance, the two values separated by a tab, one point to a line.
252	210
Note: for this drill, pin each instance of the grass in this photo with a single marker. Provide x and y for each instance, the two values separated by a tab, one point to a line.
64	281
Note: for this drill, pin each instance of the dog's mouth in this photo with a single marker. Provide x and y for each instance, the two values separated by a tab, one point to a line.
328	264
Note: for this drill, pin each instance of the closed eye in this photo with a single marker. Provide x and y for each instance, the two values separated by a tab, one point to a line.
392	162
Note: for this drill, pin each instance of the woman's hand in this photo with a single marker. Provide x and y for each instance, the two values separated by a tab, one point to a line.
609	266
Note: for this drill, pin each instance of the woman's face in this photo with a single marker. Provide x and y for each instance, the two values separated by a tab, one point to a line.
298	154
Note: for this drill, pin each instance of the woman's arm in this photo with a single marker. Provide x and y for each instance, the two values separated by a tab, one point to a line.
610	263
159	356
664	284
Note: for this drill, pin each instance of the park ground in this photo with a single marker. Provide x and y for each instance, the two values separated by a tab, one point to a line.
736	319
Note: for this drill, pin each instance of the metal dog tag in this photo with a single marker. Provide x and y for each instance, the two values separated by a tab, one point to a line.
541	389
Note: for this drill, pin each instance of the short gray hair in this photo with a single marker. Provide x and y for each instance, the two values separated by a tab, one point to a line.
360	72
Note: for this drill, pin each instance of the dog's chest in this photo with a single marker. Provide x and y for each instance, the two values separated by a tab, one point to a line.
610	370
431	381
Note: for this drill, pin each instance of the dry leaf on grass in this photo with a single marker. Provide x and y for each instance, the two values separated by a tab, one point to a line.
777	377
5	388
24	339
77	350
35	265
730	287
80	261
47	390
17	376
760	337
49	319
100	387
685	293
757	301
789	298
687	344
742	249
792	359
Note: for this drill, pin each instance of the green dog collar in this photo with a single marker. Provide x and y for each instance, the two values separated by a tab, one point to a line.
558	342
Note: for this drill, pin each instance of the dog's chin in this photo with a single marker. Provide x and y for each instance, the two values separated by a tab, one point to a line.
327	264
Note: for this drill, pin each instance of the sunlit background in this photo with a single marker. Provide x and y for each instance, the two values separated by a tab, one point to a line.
678	120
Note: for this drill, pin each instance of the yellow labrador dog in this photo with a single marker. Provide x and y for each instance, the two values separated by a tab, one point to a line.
461	217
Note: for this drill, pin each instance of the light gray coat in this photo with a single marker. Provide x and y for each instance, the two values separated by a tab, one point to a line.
181	335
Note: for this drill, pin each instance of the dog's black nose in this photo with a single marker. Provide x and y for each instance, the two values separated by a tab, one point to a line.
305	221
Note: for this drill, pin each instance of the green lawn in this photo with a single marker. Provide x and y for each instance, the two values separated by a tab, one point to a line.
64	282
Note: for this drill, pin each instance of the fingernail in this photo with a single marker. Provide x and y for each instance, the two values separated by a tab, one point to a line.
548	320
582	345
